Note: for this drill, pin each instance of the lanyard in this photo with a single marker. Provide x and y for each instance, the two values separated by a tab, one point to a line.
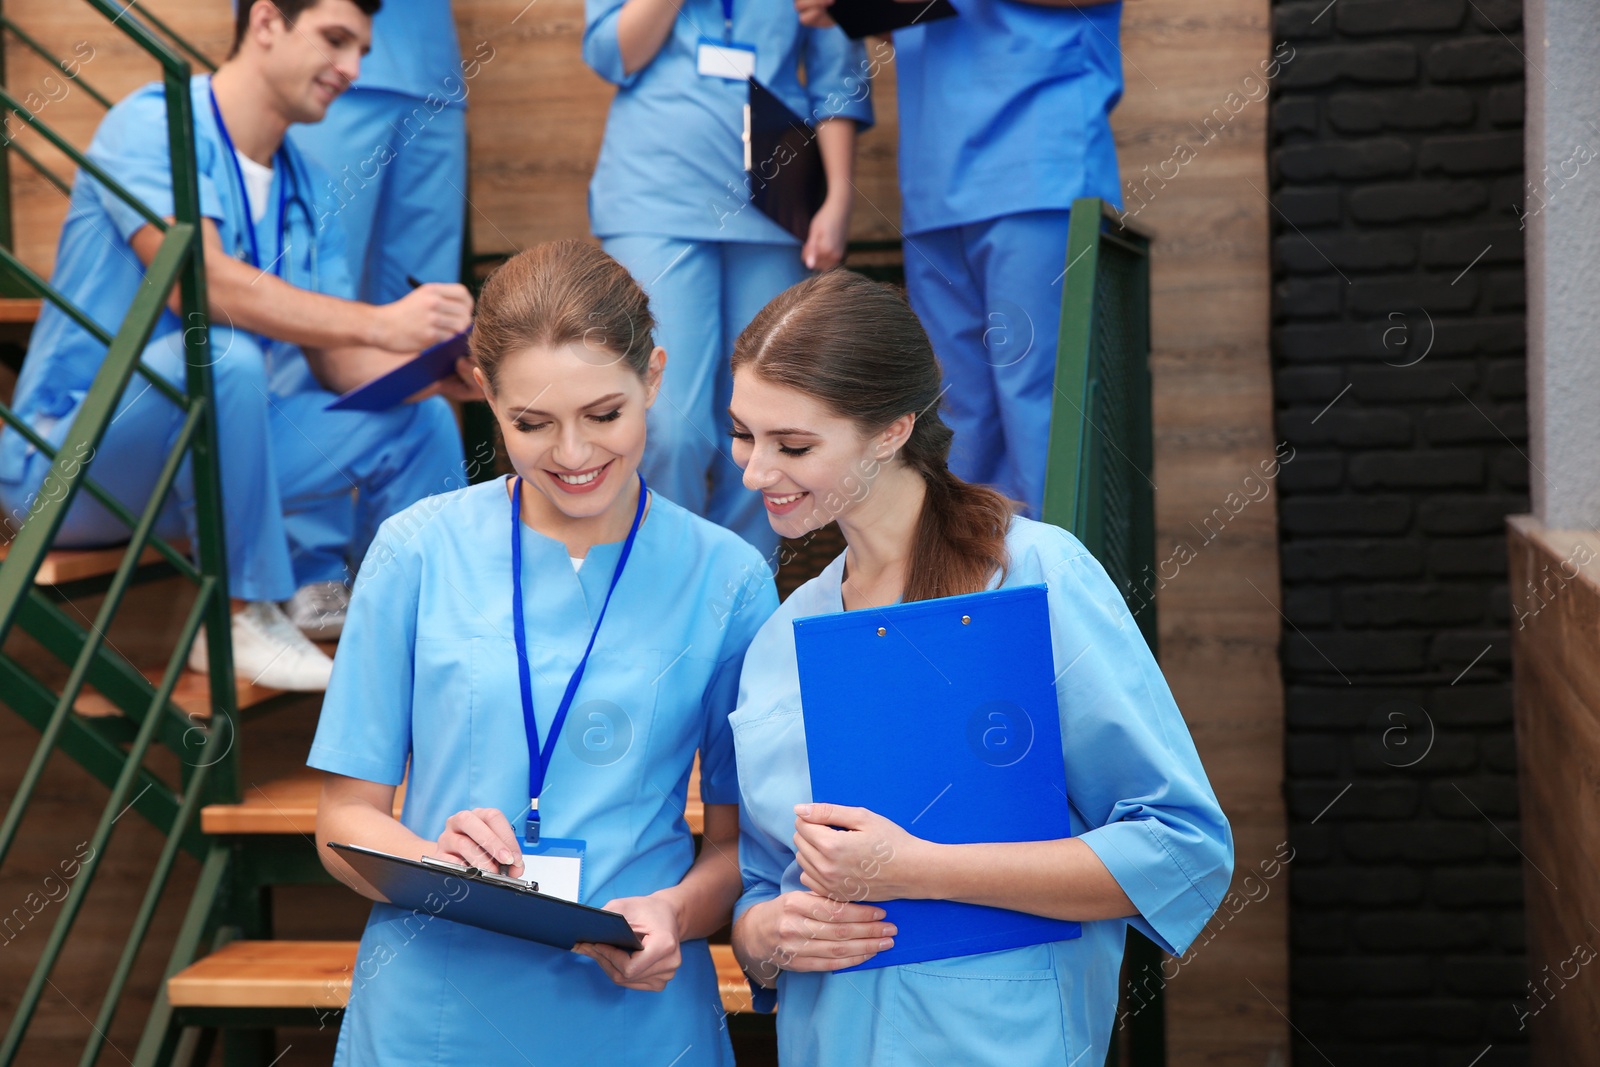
279	157
727	21
539	758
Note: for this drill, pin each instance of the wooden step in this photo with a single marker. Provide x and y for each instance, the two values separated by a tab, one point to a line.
316	975
16	310
289	806
285	806
63	565
192	695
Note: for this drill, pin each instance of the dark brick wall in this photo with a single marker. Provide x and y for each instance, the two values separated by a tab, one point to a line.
1399	377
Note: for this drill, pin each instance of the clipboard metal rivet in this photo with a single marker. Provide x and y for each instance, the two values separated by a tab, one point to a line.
966	619
882	632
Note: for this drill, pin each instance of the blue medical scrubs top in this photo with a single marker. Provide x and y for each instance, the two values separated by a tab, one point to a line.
672	161
96	267
414	52
426	672
1004	109
1138	797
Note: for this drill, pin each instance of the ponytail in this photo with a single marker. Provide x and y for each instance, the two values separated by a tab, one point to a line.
857	346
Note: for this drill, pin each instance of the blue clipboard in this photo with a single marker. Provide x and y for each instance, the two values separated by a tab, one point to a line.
390	390
942	716
487	901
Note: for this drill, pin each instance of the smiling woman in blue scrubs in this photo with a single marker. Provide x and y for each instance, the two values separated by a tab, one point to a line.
471	616
835	416
670	200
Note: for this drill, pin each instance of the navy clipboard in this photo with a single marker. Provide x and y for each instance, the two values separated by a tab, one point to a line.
941	715
390	390
866	18
486	901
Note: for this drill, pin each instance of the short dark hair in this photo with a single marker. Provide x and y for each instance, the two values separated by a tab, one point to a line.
289	9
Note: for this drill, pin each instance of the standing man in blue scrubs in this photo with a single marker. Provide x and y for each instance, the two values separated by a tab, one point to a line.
1005	119
393	149
670	201
284	330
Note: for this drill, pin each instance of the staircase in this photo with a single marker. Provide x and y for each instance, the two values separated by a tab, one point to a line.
167	745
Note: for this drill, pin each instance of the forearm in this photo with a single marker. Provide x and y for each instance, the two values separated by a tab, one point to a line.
836	139
260	302
1061	879
357	822
642	28
704	898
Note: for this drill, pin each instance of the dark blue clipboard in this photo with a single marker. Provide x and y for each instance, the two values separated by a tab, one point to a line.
941	715
489	902
870	18
390	390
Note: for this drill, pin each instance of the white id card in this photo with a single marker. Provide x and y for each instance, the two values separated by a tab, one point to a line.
735	62
556	863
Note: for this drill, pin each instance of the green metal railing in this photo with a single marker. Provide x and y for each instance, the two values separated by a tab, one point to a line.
114	750
1099	486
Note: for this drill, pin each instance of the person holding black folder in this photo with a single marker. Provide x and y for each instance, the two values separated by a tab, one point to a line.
1005	120
835	414
671	200
540	658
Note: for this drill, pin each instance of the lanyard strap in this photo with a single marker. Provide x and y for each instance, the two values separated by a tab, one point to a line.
727	21
279	157
539	757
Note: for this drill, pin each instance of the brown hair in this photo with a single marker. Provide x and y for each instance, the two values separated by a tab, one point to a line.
561	293
289	9
857	346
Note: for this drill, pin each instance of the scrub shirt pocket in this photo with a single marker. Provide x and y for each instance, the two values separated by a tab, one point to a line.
961	1004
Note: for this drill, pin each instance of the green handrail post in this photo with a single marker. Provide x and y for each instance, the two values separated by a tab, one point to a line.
1099	482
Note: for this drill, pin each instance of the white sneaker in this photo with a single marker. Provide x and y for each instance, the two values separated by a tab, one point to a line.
319	609
268	650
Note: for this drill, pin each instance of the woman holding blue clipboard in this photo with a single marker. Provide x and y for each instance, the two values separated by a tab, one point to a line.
835	418
540	658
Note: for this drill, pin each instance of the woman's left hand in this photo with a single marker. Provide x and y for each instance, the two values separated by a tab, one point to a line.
830	232
867	858
651	967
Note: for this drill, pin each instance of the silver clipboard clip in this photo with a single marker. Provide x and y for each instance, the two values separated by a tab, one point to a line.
477	874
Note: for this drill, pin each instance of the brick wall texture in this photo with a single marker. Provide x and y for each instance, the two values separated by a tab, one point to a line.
1397	174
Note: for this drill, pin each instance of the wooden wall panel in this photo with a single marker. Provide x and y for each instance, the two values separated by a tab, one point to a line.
536	115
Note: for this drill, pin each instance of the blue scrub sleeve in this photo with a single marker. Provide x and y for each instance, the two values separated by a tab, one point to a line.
751	605
838	77
1132	769
131	145
365	727
600	48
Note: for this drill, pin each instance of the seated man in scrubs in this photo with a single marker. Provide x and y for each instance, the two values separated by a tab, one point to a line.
284	332
1005	120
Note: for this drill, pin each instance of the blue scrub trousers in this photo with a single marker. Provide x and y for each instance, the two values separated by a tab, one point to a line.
703	294
280	456
399	181
989	295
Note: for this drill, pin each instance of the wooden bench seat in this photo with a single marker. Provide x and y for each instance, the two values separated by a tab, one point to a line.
192	695
63	565
315	975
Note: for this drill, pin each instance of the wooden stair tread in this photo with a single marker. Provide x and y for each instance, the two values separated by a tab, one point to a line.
20	309
285	806
63	565
192	695
289	806
316	975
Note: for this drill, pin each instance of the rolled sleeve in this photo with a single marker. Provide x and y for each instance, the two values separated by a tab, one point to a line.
838	77
131	145
1133	772
600	48
364	730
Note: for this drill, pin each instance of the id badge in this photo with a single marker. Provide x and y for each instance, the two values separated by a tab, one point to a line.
733	61
556	863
